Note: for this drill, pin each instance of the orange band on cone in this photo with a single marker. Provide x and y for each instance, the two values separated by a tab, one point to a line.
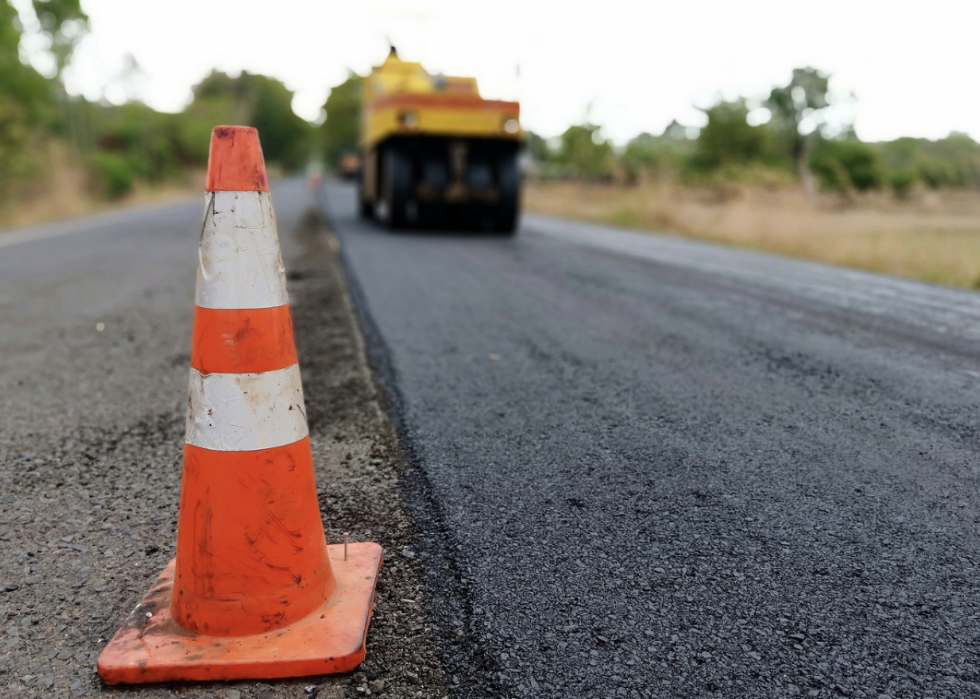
240	341
235	162
256	560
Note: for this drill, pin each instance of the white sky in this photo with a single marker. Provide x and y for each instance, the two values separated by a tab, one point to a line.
912	65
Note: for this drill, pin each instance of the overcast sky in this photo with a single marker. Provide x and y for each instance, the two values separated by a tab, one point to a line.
912	65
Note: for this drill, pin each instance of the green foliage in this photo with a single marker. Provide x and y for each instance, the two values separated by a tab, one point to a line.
149	140
937	174
115	174
953	161
729	149
14	138
25	97
657	155
585	152
644	153
728	138
130	143
20	84
64	22
285	136
259	101
847	164
133	142
341	131
537	147
804	98
901	182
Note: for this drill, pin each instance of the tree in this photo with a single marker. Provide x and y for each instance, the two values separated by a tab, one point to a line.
24	94
64	23
251	100
285	136
675	132
847	164
645	153
796	107
537	147
585	152
341	131
953	161
728	138
20	84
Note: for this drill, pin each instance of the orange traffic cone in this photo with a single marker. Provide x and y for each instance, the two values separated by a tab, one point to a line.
254	591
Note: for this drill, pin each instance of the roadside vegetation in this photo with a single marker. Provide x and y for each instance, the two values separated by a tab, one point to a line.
801	133
784	172
63	155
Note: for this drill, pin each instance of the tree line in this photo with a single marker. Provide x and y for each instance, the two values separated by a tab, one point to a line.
795	133
118	146
792	135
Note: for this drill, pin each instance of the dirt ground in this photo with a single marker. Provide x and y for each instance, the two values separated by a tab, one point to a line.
88	510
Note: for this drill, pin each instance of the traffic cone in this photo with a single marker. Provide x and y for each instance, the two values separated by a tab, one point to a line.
254	590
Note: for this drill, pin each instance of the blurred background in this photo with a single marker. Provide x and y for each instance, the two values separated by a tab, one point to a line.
844	131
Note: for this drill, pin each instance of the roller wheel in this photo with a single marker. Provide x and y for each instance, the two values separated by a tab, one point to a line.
509	189
364	208
435	174
397	209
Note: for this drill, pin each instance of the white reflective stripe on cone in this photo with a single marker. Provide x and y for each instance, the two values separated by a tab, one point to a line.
245	412
240	263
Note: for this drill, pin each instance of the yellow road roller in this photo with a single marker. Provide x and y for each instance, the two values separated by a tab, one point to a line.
436	154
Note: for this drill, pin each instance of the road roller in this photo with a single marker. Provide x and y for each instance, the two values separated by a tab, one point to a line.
435	154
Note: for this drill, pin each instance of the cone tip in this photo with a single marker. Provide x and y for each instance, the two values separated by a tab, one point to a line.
235	162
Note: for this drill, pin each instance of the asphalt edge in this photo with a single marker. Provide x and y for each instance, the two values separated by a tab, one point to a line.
473	674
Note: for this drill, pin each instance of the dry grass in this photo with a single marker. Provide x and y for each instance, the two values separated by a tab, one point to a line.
932	237
62	192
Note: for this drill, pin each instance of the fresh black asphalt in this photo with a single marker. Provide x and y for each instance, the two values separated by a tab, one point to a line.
647	467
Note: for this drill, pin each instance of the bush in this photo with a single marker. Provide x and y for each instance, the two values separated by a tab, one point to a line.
585	152
951	162
644	153
901	182
938	174
728	138
114	173
849	164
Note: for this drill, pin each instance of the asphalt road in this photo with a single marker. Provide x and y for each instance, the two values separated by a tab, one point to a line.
655	468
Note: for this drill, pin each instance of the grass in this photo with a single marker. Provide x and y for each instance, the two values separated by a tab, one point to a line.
934	237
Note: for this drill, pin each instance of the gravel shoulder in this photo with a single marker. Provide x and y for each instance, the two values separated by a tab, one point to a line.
91	430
